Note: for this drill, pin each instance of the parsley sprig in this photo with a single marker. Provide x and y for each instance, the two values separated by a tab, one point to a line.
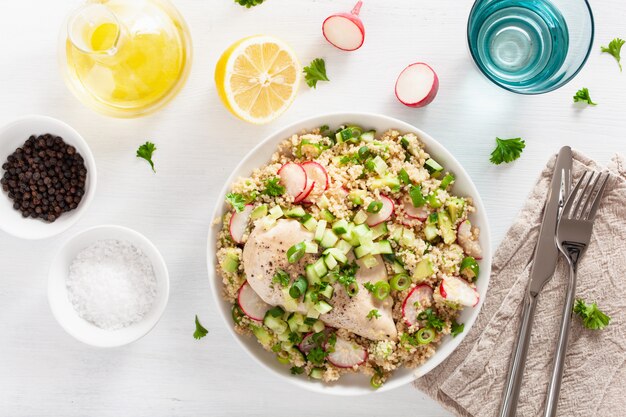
507	150
582	95
614	48
145	151
236	200
273	187
373	314
431	319
591	315
316	71
456	328
249	3
200	330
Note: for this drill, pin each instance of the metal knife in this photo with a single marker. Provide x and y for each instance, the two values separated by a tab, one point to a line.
544	263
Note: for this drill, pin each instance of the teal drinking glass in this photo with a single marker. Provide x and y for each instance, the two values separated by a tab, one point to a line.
530	46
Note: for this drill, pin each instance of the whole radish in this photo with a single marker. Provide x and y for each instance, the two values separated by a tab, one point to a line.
417	85
345	30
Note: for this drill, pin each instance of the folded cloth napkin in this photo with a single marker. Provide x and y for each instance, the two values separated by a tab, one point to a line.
470	382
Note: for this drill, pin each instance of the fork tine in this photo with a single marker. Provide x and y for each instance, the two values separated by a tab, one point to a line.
572	196
584	196
596	202
590	197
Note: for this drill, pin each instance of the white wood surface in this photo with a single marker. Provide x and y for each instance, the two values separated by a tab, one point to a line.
44	372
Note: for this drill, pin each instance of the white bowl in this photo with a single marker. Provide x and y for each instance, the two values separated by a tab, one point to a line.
352	384
13	136
62	308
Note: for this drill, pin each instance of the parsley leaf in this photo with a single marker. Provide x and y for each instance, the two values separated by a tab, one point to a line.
296	370
281	277
145	151
316	355
583	95
614	48
431	319
316	71
507	150
236	200
369	286
273	187
200	330
591	315
295	338
457	328
373	314
346	276
249	3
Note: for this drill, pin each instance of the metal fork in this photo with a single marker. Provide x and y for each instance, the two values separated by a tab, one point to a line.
573	234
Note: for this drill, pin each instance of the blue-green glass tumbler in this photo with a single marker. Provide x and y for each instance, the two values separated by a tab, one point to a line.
530	46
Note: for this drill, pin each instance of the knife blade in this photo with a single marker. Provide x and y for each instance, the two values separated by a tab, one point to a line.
544	263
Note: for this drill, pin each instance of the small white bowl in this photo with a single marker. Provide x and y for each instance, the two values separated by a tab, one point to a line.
13	136
62	308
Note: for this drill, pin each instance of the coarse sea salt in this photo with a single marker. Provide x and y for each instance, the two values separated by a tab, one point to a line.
111	284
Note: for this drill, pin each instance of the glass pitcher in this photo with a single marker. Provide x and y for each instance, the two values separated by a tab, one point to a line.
125	58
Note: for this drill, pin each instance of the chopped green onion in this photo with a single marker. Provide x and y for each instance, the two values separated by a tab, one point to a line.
404	177
352	289
364	153
400	282
299	287
237	313
376	381
296	252
417	198
425	335
381	290
374	207
446	181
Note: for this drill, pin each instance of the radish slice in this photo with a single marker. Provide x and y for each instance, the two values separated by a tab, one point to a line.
466	240
294	178
347	354
308	343
421	294
251	304
317	174
459	291
239	223
385	212
345	30
304	194
419	213
417	85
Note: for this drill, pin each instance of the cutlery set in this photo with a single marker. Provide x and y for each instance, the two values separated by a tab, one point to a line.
566	228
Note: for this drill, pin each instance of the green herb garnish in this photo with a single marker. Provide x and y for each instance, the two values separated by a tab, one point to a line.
295	338
431	319
591	315
373	314
507	150
614	48
346	276
457	328
273	187
145	151
200	330
249	3
583	95
281	277
316	355
369	286
316	71
296	370
237	201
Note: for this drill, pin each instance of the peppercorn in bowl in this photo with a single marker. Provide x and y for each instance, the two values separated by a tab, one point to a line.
47	177
351	254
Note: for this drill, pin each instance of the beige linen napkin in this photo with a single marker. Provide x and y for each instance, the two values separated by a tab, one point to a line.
470	382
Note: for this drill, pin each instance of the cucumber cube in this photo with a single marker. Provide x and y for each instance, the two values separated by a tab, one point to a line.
362	251
445	226
379	230
360	217
320	268
320	229
382	247
340	227
343	246
329	239
310	247
259	212
231	261
433	167
276	212
311	275
319	325
330	261
322	307
295	212
309	224
423	269
431	232
370	261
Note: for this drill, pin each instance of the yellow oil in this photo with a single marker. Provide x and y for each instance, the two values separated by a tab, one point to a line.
132	65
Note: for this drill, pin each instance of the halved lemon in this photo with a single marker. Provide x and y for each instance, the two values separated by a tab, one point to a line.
257	78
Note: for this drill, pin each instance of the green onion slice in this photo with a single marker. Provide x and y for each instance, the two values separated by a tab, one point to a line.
425	335
352	289
376	381
296	252
400	282
374	207
381	290
298	288
237	313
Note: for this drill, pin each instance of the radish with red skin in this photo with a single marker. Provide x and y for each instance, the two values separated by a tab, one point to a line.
347	354
308	343
457	290
419	213
420	294
304	194
417	85
293	177
383	214
317	174
239	223
466	240
251	304
345	30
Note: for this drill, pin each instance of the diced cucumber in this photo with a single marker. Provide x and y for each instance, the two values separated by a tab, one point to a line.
433	167
356	196
446	181
276	324
360	217
340	227
295	212
312	313
408	238
368	136
322	307
343	246
330	261
370	261
259	212
455	207
445	226
433	199
276	212
322	202
379	230
337	254
433	218
386	181
327	215
327	291
309	223
361	230
231	261
283	337
289	303
316	373
318	326
320	268
295	321
380	166
267	222
329	239
423	270
262	335
382	247
469	268
320	229
398	268
361	251
348	134
431	232
310	247
311	275
396	233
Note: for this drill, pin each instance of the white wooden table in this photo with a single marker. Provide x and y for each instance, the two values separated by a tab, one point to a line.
43	371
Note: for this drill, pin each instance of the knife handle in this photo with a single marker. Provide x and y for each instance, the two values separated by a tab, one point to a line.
518	359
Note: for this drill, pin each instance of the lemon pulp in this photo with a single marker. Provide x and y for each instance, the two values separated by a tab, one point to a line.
104	36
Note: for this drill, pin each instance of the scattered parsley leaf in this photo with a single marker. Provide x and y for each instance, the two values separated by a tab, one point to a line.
200	330
316	355
346	276
295	338
373	314
369	286
145	151
431	319
296	370
249	3
236	200
273	187
281	277
316	71
457	328
591	315
507	150
583	95
614	48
